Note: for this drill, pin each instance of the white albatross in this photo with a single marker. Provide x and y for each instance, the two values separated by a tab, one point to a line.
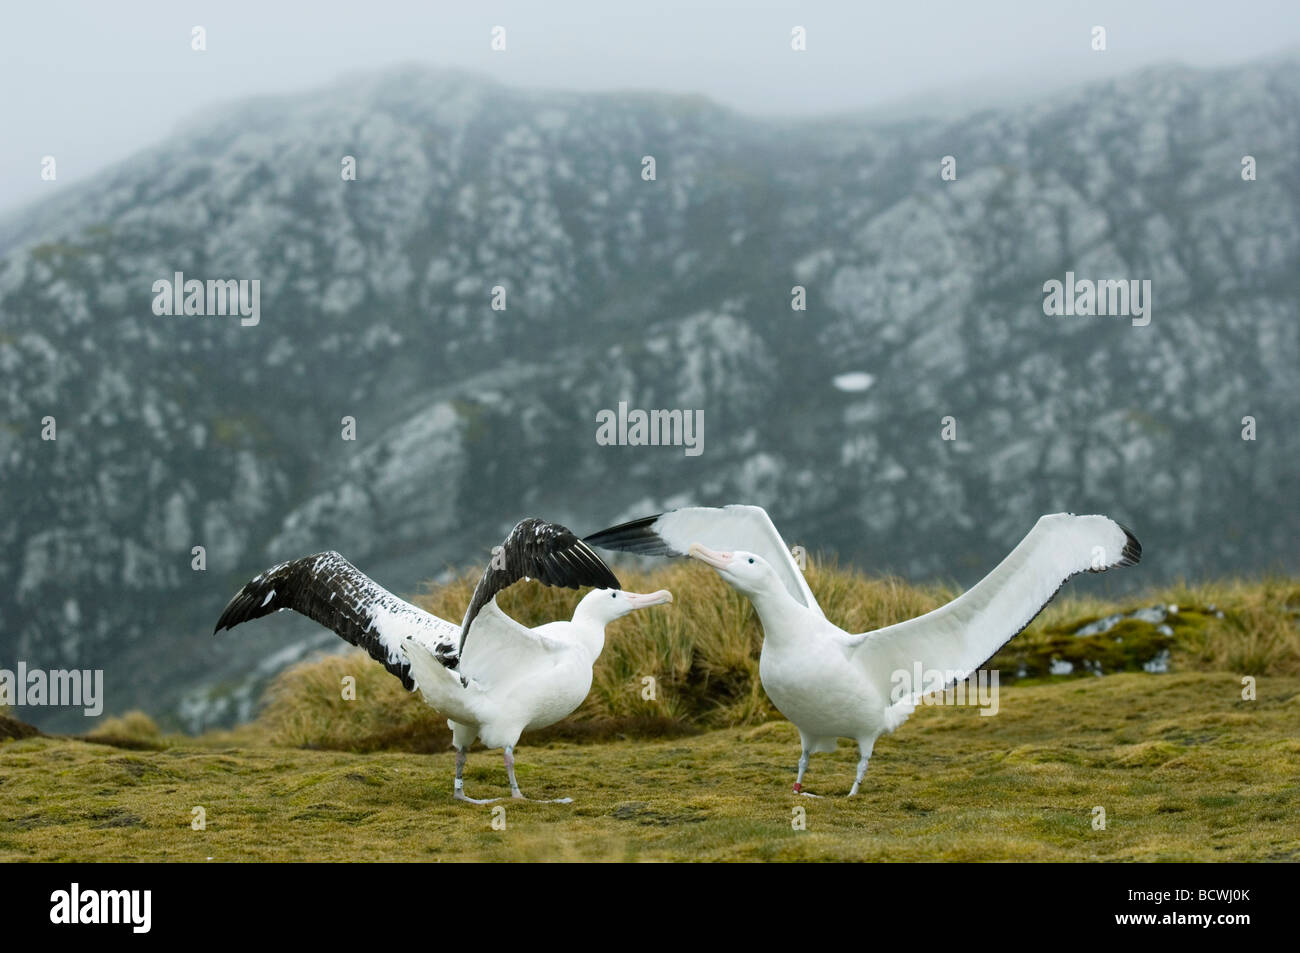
832	684
507	678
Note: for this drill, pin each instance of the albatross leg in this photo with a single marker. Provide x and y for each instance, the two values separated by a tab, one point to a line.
458	791
864	749
514	785
804	756
510	772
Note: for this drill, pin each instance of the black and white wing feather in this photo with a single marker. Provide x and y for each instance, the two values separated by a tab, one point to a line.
724	528
547	552
330	590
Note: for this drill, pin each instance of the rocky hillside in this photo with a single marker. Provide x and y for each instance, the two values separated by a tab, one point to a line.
924	301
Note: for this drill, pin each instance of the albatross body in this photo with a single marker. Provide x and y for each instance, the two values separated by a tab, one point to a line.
493	677
511	679
832	684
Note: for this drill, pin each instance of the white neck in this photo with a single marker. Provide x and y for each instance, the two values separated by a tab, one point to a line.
589	628
782	616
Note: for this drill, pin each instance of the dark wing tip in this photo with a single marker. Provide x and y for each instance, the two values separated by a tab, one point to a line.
236	610
1132	552
270	591
635	536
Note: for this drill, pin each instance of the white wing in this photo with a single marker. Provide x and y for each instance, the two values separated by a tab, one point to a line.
722	528
959	637
501	651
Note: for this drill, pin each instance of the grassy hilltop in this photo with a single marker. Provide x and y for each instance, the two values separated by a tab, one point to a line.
1184	767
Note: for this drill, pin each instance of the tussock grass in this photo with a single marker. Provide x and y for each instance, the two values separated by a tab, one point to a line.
135	729
11	727
702	653
1259	633
306	709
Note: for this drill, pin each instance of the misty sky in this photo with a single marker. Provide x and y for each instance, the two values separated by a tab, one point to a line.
92	82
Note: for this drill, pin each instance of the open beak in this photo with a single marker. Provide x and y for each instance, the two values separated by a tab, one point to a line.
710	557
642	600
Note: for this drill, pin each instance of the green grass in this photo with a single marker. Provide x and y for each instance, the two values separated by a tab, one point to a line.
1183	766
1185	769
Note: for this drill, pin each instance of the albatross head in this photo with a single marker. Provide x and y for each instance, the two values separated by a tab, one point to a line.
606	605
745	571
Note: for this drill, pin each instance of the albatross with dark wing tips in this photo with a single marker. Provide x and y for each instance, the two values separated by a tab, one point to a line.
507	678
832	684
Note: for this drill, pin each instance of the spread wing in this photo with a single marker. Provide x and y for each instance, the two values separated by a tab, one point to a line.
547	552
723	528
959	637
330	590
505	651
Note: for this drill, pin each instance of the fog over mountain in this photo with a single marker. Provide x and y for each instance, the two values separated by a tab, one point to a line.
924	301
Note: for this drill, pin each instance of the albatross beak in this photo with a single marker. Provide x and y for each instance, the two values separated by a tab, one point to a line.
710	557
642	600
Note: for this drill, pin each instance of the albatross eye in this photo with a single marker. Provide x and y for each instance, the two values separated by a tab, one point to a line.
751	560
613	595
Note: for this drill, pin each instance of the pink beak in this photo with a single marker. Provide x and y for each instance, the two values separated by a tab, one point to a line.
642	600
710	557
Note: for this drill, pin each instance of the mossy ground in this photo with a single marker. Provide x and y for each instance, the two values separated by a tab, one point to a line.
1183	766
